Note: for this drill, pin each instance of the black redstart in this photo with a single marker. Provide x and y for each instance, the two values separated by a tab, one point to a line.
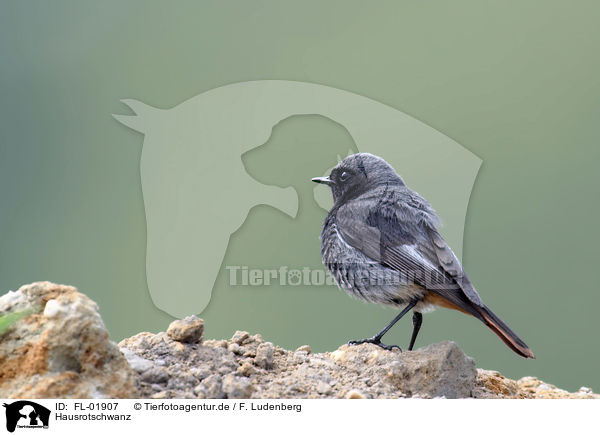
381	244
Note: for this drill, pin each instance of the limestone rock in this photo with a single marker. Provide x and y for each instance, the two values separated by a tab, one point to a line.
264	355
188	330
53	344
491	385
248	367
237	387
304	348
61	348
438	370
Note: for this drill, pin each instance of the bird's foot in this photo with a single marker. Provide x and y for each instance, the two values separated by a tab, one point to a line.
376	341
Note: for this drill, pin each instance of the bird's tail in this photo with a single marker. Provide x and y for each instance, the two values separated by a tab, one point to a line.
502	330
459	301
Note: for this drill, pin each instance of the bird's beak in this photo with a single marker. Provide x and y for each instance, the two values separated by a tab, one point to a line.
323	180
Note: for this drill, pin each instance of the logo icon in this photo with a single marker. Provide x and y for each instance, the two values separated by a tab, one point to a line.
26	414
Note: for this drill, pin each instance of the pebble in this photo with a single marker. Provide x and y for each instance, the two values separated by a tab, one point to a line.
240	337
156	375
221	343
246	366
235	348
306	348
188	330
300	357
136	362
200	372
213	387
246	369
53	308
265	356
323	388
237	387
355	394
177	349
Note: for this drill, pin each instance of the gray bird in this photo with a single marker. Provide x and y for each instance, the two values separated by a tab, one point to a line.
381	244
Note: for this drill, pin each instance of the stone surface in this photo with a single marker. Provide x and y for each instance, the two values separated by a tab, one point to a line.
438	370
55	345
305	348
492	385
236	387
264	355
137	363
61	348
259	369
188	330
248	367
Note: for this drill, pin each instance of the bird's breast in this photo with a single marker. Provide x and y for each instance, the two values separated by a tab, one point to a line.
361	276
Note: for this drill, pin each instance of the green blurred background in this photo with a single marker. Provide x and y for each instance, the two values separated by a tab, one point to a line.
517	83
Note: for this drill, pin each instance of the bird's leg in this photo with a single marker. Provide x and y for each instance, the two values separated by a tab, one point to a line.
417	322
377	338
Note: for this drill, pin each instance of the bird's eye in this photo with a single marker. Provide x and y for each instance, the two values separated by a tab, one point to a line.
344	176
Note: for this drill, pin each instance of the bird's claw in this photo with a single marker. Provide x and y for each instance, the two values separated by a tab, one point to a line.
376	342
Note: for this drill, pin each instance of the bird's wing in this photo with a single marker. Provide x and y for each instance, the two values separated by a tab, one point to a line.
401	237
447	259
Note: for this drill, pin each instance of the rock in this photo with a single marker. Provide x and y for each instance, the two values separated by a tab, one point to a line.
182	383
264	356
246	369
436	370
235	348
530	387
137	363
177	349
305	348
188	330
200	372
300	357
160	395
212	387
493	382
323	388
237	387
240	337
139	342
156	375
61	349
55	345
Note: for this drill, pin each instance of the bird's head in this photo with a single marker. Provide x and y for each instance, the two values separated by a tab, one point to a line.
357	174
